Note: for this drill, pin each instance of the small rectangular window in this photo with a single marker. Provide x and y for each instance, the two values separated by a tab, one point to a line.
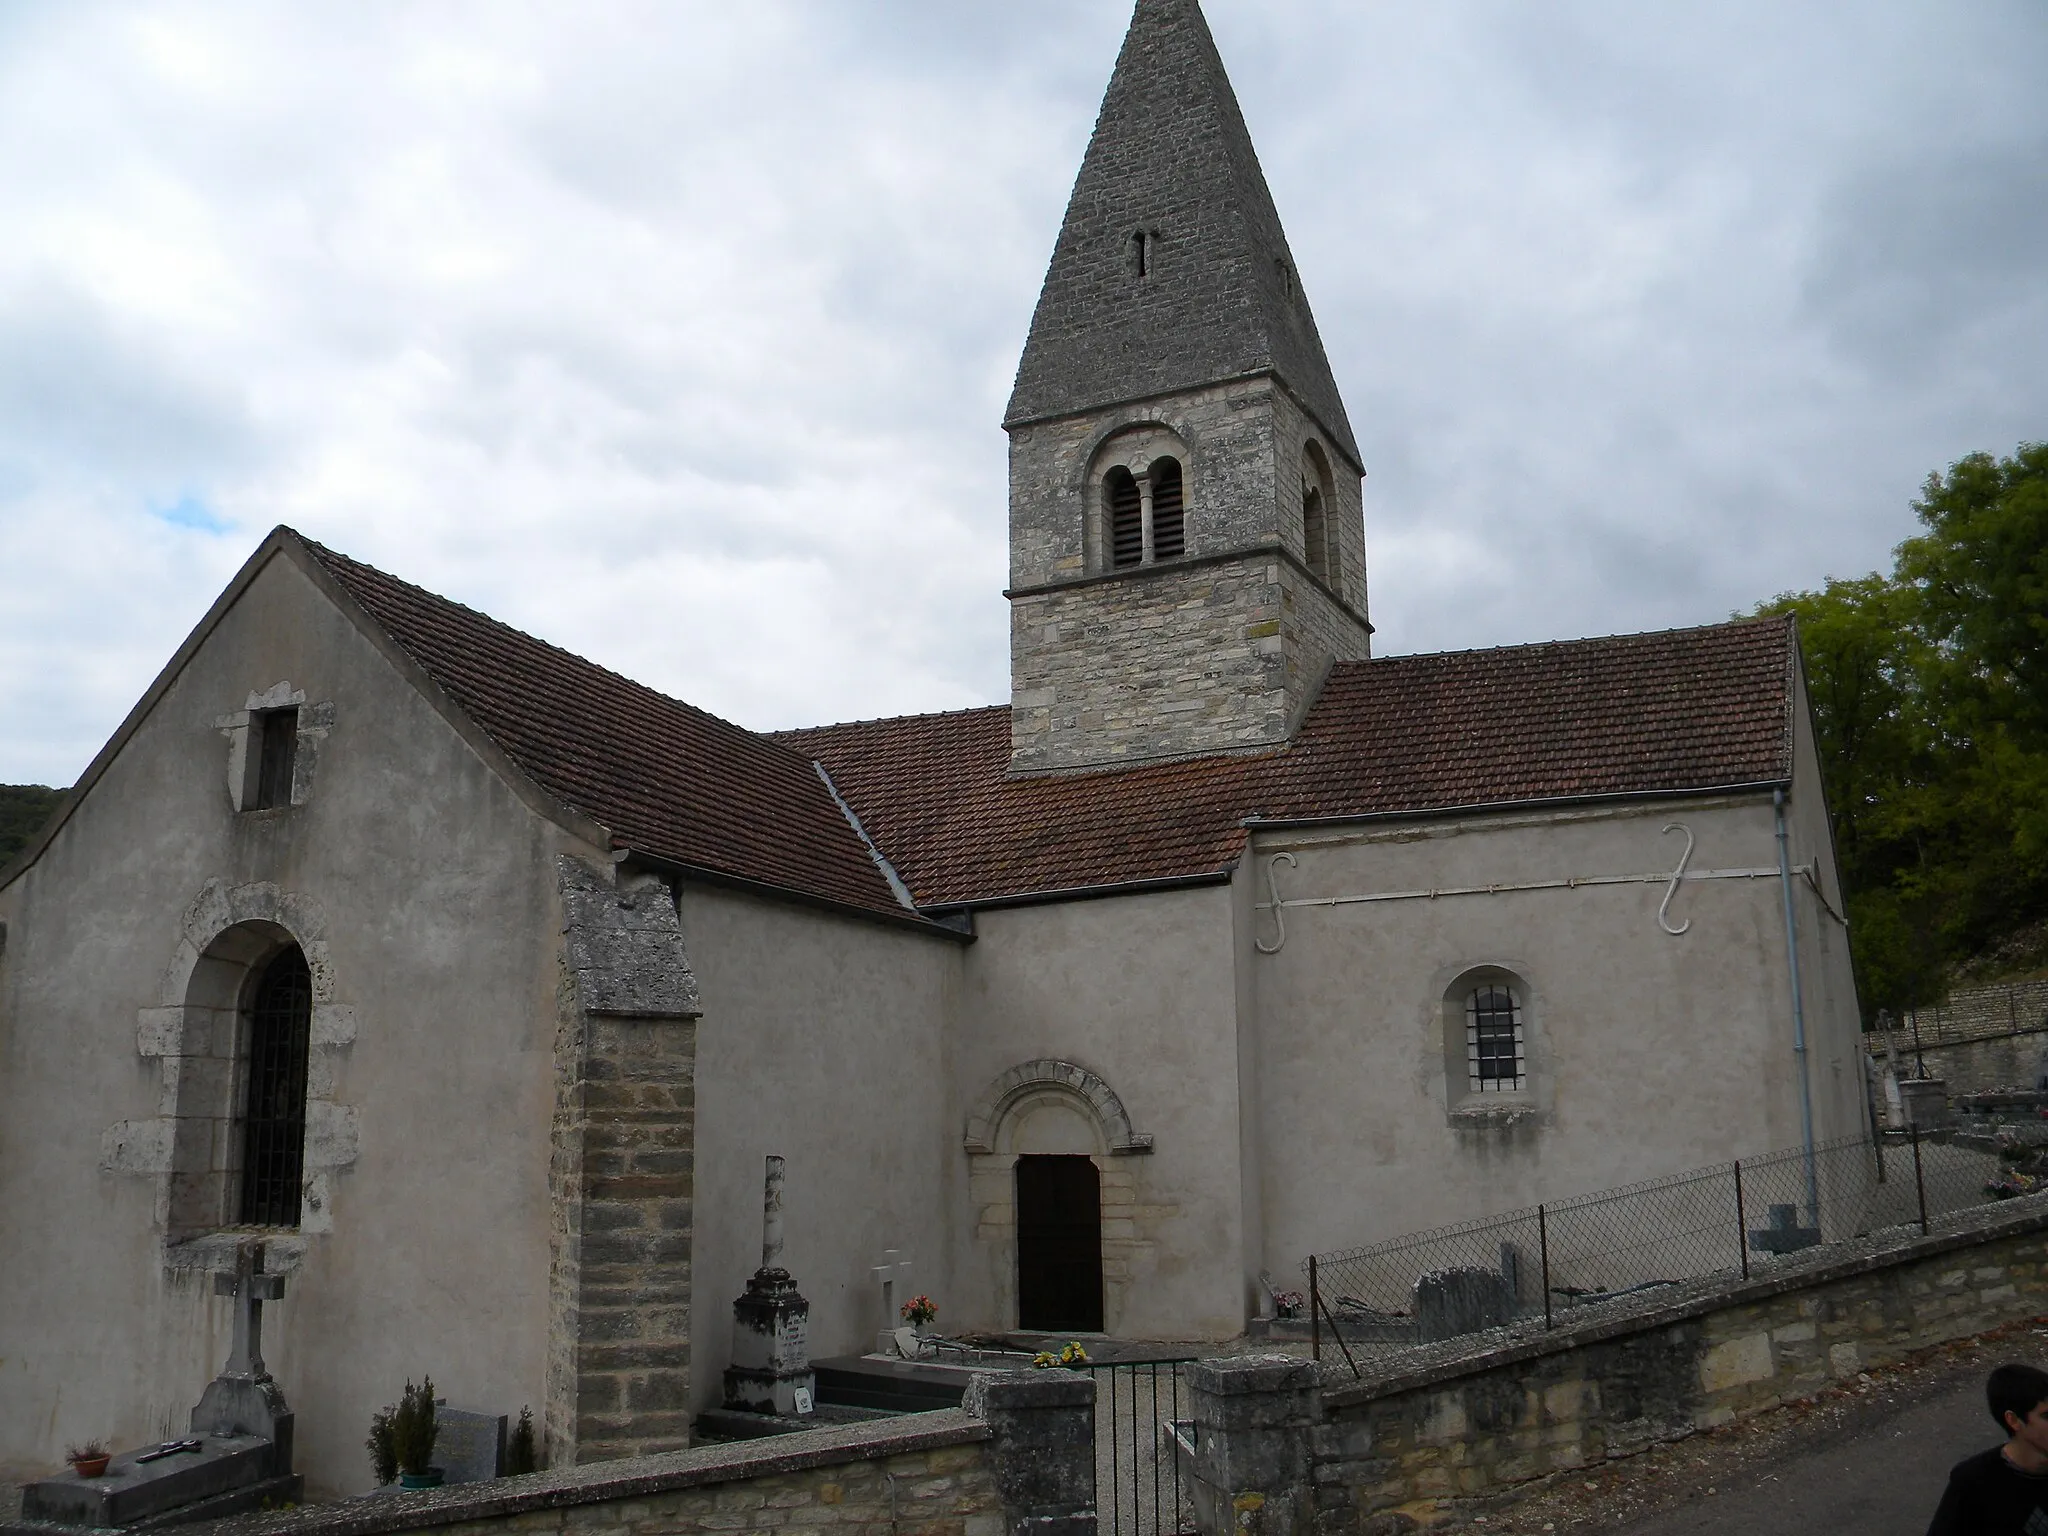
279	744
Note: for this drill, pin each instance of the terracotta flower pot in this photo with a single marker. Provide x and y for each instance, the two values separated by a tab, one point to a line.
91	1466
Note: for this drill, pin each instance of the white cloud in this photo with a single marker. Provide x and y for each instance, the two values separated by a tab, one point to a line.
679	333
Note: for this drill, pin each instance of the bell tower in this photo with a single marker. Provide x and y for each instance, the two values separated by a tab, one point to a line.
1187	533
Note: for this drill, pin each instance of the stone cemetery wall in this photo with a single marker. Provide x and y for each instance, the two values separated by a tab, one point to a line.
1024	1454
1284	1445
1976	1040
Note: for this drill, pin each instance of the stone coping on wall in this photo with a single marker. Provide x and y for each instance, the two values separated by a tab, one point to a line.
1531	1341
596	1482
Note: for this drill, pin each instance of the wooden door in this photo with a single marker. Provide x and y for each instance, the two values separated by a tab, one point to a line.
1059	1245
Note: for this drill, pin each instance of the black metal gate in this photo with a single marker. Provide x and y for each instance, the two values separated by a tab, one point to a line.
1144	1447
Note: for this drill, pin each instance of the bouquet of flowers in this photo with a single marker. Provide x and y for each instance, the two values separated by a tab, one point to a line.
1071	1355
1288	1303
919	1311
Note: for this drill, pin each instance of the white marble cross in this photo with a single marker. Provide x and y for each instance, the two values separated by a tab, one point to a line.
895	1266
251	1288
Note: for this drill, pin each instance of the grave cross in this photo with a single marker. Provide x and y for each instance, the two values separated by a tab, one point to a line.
251	1288
895	1265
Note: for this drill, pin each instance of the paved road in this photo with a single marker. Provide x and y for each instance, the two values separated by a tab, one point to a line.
1879	1478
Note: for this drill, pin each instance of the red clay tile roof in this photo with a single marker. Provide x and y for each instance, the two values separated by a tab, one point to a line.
1685	709
665	779
1688	709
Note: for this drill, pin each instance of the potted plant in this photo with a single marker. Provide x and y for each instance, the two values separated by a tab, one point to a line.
920	1312
89	1459
413	1433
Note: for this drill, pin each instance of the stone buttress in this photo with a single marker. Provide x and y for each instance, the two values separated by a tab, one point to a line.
622	1170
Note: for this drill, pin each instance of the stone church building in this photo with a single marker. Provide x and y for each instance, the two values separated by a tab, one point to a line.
480	980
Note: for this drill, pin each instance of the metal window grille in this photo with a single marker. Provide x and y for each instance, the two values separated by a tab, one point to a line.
1126	518
1169	520
279	745
274	1114
1493	1040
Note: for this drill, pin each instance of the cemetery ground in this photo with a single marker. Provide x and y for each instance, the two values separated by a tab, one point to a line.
1871	1455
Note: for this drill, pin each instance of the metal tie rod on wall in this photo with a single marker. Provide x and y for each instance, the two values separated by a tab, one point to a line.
1569	883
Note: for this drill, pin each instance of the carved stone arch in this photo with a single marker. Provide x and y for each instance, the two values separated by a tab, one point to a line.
1139	450
195	1034
1050	1073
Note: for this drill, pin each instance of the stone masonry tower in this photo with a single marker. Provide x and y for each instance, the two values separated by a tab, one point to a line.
1187	535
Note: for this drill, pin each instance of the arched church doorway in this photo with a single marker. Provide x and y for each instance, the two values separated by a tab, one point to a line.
1059	1244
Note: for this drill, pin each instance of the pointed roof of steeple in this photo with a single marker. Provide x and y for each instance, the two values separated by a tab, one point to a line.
1220	298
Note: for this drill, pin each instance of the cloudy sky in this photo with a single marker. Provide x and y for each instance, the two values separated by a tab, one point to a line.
679	333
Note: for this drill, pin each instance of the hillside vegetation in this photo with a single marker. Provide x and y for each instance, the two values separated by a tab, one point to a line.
1930	698
23	810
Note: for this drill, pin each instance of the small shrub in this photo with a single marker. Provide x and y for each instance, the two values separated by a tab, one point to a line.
383	1452
522	1452
413	1430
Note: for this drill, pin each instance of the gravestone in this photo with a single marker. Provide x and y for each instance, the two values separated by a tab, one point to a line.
1784	1234
239	1453
771	1361
470	1447
1452	1302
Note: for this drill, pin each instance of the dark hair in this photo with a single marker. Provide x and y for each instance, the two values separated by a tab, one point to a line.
2016	1389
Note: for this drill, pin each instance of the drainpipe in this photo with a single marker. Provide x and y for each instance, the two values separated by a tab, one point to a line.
1798	1011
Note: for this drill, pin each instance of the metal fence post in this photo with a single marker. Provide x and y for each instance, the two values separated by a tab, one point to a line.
1919	1181
1543	1246
1315	1313
1741	1220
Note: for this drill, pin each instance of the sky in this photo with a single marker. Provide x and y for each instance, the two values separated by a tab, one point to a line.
679	333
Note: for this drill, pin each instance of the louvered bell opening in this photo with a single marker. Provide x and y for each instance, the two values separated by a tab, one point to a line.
274	1117
1169	518
1126	518
1313	536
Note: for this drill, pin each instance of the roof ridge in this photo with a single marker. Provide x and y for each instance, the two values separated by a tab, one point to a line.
1758	621
329	557
928	714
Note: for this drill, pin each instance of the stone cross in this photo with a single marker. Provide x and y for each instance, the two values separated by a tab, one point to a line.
251	1288
895	1265
771	1216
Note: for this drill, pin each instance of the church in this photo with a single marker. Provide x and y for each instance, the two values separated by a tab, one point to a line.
478	981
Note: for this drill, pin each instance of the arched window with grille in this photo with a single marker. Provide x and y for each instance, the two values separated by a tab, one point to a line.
279	1032
1169	511
1124	511
1493	1047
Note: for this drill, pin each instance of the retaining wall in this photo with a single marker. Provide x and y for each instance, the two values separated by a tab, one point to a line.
1019	1456
1290	1447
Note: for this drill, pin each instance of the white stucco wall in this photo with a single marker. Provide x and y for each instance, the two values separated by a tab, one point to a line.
1140	990
825	1040
434	888
1650	1053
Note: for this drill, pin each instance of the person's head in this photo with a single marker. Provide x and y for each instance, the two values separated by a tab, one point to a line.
2014	1392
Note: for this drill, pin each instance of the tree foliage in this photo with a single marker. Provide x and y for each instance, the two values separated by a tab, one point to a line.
1930	700
23	810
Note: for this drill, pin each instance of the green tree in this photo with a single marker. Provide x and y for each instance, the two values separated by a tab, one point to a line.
1930	699
23	810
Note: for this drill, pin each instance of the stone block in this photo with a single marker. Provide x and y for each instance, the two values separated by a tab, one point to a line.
1738	1362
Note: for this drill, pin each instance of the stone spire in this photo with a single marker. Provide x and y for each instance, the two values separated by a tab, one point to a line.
1171	270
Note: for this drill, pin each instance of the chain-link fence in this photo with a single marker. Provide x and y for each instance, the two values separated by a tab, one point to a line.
1542	1264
